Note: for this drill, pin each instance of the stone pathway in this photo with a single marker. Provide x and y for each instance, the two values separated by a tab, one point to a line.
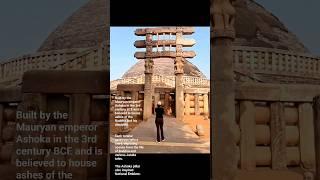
179	138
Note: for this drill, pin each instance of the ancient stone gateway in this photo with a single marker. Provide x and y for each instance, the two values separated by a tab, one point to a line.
178	55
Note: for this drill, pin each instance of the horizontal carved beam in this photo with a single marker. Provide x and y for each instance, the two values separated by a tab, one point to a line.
163	54
276	92
164	30
183	42
65	82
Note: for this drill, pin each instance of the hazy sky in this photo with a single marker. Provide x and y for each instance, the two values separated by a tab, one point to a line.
25	24
301	17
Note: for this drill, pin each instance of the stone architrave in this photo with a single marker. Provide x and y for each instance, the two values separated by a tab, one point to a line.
224	136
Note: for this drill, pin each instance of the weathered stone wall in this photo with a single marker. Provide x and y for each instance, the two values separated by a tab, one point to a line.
276	128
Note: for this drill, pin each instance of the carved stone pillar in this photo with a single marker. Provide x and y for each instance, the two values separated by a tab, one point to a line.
36	103
316	107
79	114
205	105
196	105
167	104
307	136
248	138
135	95
147	107
179	65
278	136
1	123
187	104
224	138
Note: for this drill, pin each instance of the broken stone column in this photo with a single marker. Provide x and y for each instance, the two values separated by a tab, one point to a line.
148	64
179	65
224	145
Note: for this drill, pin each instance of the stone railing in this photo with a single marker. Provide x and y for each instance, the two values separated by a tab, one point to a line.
68	59
168	81
276	62
276	126
196	81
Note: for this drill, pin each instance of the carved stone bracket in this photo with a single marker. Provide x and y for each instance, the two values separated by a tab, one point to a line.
223	18
179	65
148	64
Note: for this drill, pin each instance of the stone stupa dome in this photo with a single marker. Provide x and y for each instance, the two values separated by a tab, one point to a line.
255	27
163	67
87	27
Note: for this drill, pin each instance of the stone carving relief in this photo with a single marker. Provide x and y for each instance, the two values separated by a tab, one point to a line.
179	66
223	15
148	64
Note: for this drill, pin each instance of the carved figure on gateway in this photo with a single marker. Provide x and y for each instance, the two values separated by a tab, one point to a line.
148	66
179	65
223	14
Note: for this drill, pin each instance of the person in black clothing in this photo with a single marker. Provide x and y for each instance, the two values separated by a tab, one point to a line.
159	122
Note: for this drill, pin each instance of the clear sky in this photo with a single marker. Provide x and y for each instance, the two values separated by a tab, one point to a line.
122	50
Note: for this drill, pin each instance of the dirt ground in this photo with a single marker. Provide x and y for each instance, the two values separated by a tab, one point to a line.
192	121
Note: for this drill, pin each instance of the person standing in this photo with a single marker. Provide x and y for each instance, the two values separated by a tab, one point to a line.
159	122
